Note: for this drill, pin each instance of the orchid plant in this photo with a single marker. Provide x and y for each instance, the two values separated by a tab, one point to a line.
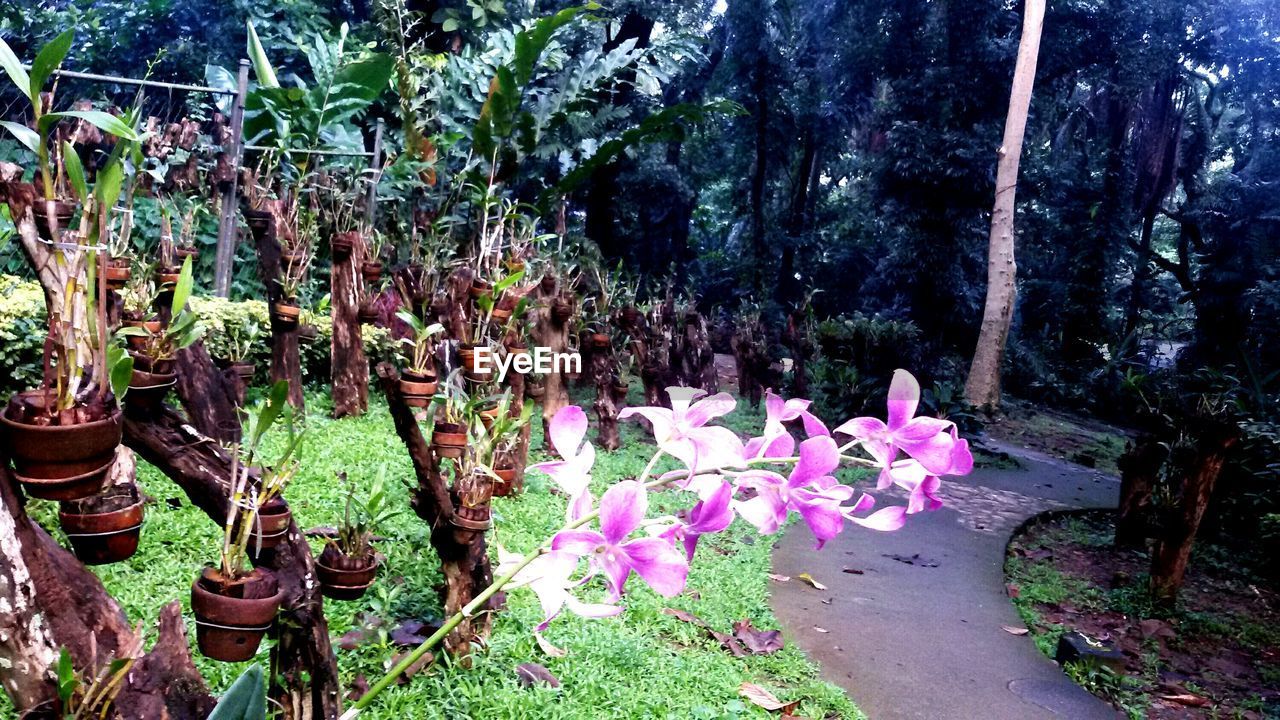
614	539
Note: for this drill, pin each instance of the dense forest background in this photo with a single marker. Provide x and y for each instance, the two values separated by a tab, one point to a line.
841	190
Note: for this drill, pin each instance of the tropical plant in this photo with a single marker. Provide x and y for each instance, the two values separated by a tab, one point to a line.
362	518
421	345
82	698
183	328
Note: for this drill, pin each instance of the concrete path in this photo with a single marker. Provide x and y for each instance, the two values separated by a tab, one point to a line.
917	635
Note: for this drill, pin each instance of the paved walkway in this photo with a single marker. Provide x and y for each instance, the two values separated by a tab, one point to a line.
917	635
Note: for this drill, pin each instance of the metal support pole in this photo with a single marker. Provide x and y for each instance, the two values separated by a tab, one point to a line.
230	195
375	164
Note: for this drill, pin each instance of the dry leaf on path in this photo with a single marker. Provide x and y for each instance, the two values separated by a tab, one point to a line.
779	578
821	629
1014	630
809	579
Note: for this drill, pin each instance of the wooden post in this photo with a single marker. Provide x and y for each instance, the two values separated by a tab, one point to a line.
375	164
349	368
227	217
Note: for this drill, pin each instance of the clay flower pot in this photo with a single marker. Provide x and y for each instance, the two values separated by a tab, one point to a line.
418	389
118	273
479	288
259	222
147	390
631	315
367	313
186	252
61	462
167	277
286	314
343	244
272	527
505	485
139	343
474	519
600	341
449	440
344	577
243	370
293	256
104	528
488	417
620	389
467	356
232	617
501	315
371	272
308	333
63	212
548	284
561	310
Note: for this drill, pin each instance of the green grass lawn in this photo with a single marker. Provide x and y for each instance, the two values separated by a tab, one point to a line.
642	664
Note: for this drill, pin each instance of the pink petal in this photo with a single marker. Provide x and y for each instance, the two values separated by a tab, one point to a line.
567	429
865	503
622	508
864	428
765	511
591	610
821	515
579	506
886	520
924	496
714	513
904	396
921	428
715	448
663	567
707	409
774	407
812	425
579	542
934	453
818	456
681	397
961	458
661	419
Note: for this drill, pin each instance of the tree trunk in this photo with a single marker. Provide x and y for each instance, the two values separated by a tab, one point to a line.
1178	532
286	361
554	335
464	559
304	680
211	397
350	368
606	410
1139	469
983	386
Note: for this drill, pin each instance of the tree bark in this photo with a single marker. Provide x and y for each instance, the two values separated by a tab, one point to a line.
1173	546
1139	470
983	386
350	368
211	397
606	410
304	680
464	558
286	361
554	335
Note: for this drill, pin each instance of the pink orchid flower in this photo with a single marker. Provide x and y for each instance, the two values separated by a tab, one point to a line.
710	515
567	431
931	441
549	577
682	431
810	490
655	560
776	441
885	520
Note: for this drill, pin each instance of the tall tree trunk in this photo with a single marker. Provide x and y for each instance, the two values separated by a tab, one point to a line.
983	386
760	170
286	359
350	368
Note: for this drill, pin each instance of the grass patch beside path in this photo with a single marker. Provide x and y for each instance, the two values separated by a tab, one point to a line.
642	664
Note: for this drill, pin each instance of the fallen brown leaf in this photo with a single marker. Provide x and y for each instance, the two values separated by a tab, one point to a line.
821	629
809	579
765	699
530	674
759	642
1187	699
779	578
1014	630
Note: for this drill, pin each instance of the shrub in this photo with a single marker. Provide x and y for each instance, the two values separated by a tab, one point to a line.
22	333
857	356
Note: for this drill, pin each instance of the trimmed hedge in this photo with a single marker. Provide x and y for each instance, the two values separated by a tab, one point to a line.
22	332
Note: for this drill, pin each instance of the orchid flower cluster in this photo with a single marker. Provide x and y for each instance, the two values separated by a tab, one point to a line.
729	479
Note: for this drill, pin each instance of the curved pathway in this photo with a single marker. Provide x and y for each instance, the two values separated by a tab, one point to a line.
917	635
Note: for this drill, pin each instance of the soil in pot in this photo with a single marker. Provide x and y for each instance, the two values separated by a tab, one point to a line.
345	577
233	615
104	528
449	440
65	456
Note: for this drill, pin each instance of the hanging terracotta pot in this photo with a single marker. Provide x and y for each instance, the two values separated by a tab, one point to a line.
286	313
104	528
343	244
367	313
166	278
293	256
476	519
600	341
561	310
138	343
344	577
467	356
232	617
418	389
63	212
505	485
147	390
620	390
118	273
631	316
308	333
449	440
272	527
480	288
184	252
548	284
488	417
259	222
243	370
60	462
500	315
371	272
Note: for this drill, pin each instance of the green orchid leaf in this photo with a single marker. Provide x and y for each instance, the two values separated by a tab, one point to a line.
103	121
13	67
182	291
261	65
110	182
246	699
75	171
47	60
25	135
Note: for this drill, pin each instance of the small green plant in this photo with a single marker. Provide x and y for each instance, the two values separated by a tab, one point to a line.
361	519
184	328
241	339
420	347
81	700
246	699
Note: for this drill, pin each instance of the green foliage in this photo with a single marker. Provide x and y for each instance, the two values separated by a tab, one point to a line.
246	699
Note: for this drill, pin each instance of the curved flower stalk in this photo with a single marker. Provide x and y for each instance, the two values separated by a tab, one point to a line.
609	544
